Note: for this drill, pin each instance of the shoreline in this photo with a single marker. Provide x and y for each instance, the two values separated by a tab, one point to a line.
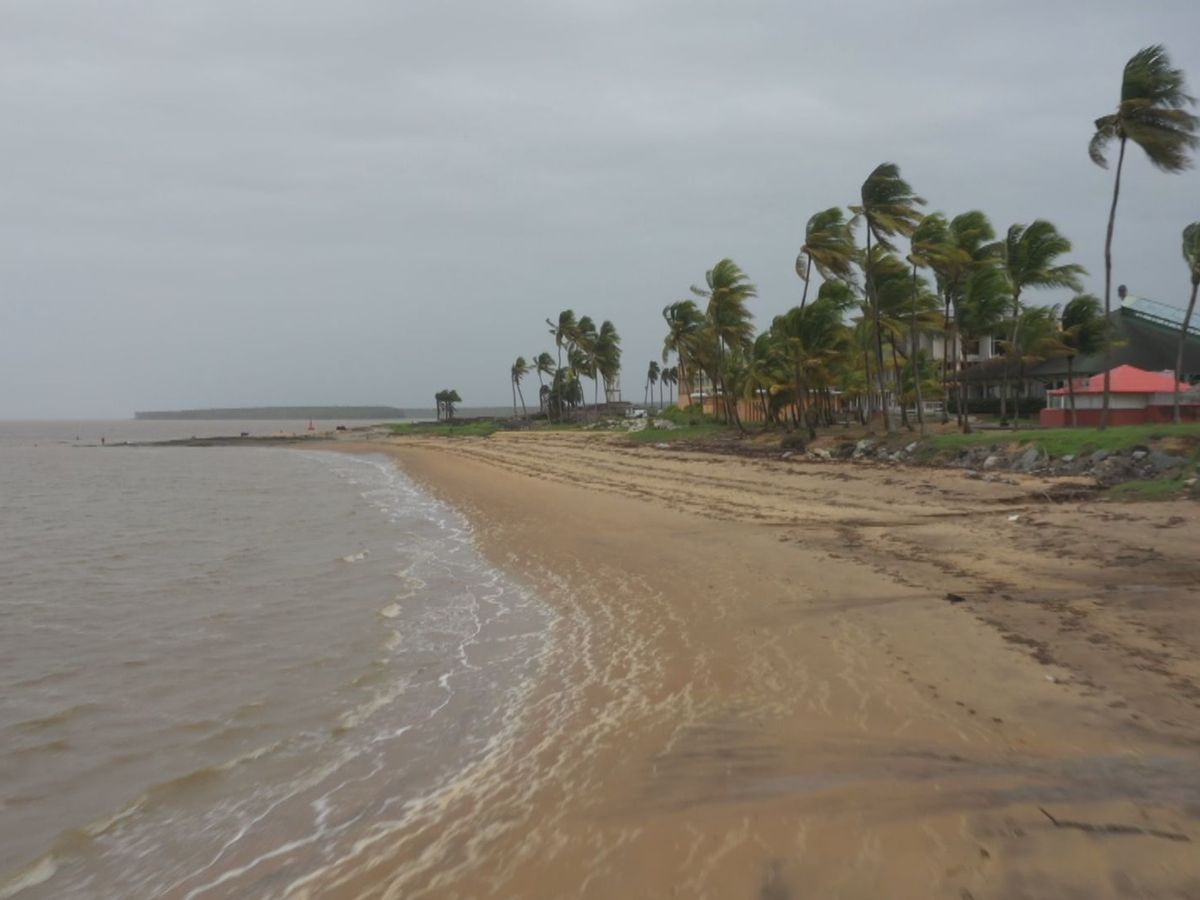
763	690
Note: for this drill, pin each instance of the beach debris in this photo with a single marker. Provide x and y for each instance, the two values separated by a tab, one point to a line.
956	598
1014	517
1116	828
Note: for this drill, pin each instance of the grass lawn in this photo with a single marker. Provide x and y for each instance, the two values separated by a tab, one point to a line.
1156	489
1061	441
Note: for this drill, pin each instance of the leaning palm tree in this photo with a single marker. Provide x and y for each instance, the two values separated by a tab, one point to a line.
519	370
684	319
543	364
608	355
564	331
727	289
670	377
449	398
1084	331
1029	258
889	208
1152	114
829	246
651	381
1191	255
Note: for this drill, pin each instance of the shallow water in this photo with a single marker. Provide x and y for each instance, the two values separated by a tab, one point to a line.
221	669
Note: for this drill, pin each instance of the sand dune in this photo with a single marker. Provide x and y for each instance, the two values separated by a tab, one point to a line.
758	688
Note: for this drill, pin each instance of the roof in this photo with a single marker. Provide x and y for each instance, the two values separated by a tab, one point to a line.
1127	380
1137	341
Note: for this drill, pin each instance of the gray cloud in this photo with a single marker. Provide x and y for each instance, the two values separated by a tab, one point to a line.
231	203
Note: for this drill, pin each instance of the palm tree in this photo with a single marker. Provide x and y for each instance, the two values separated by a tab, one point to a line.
889	207
828	245
651	380
1152	114
543	364
928	242
447	399
1084	331
564	331
810	338
1191	255
1029	257
519	370
980	310
608	355
1035	338
670	377
727	289
684	319
585	360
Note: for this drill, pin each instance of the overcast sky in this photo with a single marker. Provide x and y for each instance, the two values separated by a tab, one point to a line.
226	202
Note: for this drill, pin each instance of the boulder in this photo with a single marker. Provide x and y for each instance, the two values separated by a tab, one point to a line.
1164	462
1139	455
1099	456
912	448
1028	460
820	453
993	461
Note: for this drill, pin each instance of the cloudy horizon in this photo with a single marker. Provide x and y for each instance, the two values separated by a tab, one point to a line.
229	204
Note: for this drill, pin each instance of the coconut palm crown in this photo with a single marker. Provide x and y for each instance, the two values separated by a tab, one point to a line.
829	247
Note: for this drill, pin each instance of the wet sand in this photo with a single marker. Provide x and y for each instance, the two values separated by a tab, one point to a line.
759	687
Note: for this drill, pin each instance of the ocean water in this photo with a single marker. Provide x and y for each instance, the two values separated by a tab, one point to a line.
223	668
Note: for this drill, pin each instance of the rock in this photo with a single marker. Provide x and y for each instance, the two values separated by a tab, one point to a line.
863	447
912	448
1099	456
1162	462
955	598
845	450
1069	458
1139	455
820	453
992	461
665	424
787	455
1028	460
970	473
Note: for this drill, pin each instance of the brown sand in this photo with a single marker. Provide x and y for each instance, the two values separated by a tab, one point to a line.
759	689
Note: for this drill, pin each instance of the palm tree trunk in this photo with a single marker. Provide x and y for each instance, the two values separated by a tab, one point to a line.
1179	353
1012	349
1071	390
896	374
961	386
1112	218
945	363
807	275
867	393
521	394
916	369
875	316
514	393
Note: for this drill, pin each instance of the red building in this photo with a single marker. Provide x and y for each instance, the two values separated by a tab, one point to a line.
1136	397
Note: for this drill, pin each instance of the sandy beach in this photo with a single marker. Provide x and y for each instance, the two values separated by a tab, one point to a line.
774	679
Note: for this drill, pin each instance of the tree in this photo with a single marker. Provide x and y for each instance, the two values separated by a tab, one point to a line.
1191	255
585	360
544	366
1029	258
670	377
928	243
1152	114
446	400
811	338
889	208
608	355
519	370
684	319
564	331
1083	331
727	289
828	245
1035	338
651	380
